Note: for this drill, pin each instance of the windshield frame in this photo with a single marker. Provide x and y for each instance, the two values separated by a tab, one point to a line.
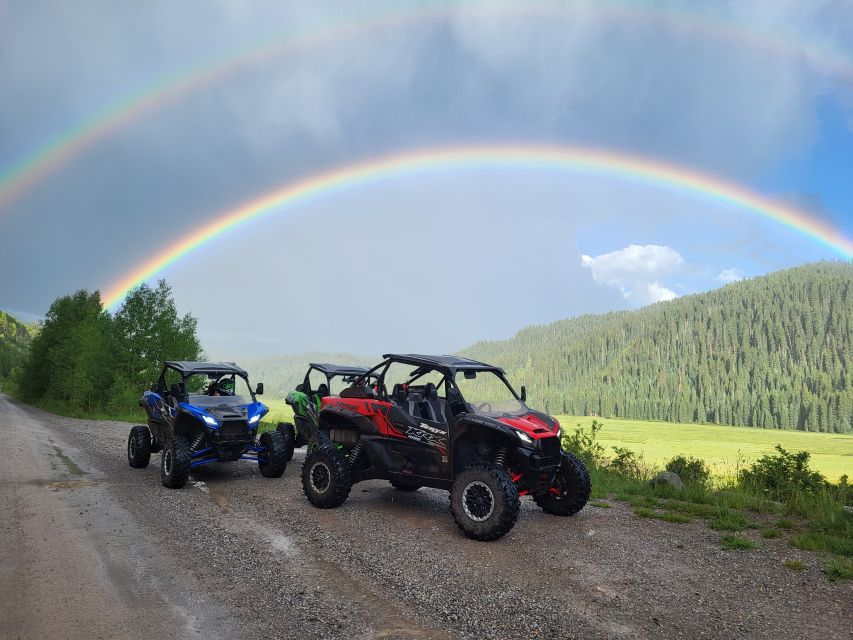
222	399
523	409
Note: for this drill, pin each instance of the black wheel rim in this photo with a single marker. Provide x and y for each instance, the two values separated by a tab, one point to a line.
320	477
478	501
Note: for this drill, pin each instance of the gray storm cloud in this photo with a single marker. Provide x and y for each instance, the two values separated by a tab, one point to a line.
579	77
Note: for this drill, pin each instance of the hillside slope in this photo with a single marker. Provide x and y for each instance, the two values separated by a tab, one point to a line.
15	339
772	351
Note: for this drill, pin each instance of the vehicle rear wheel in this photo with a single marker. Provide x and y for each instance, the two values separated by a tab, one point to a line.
288	432
400	485
326	478
570	491
139	447
484	501
275	454
175	462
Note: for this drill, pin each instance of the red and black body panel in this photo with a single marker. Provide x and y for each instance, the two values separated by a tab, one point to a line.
399	446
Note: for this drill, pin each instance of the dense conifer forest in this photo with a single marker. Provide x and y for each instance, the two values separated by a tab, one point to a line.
772	352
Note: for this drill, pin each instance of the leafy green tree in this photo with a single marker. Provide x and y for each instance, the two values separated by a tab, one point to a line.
148	330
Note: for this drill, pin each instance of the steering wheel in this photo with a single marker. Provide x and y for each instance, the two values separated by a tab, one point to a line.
482	405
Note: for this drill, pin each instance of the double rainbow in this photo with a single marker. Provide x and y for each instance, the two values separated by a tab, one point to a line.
60	151
519	157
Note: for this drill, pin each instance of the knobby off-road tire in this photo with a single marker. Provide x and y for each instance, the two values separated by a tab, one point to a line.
288	432
400	485
326	478
139	447
571	490
175	462
275	454
484	501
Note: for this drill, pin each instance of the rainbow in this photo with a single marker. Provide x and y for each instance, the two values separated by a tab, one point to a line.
517	157
60	151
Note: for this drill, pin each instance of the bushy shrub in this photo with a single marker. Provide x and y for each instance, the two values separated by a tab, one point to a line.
628	463
843	491
691	470
782	475
585	444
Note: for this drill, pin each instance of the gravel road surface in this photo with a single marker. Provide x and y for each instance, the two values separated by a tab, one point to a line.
90	548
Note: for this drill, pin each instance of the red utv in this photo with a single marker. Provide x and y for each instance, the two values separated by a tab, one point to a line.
449	423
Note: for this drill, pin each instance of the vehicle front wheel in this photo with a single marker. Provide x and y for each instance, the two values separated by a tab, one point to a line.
399	485
175	462
288	432
139	447
275	454
326	478
484	501
570	491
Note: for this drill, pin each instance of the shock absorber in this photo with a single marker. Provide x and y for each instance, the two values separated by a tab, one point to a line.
355	452
500	457
197	442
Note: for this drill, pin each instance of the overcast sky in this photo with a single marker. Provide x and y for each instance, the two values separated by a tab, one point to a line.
431	261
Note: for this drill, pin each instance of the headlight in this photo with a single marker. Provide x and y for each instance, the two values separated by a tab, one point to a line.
210	420
526	439
254	418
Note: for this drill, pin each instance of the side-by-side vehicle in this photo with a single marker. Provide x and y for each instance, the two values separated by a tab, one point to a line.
322	380
449	423
200	413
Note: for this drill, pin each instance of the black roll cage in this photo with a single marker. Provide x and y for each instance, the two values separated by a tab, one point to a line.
424	367
213	373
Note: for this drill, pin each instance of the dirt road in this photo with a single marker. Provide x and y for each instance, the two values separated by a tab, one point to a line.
90	548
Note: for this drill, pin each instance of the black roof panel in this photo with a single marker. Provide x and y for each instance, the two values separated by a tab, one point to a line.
339	369
205	367
453	363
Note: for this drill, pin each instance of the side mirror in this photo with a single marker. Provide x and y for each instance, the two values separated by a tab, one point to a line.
523	393
259	391
301	387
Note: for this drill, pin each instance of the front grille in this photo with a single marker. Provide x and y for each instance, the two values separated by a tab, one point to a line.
233	430
549	447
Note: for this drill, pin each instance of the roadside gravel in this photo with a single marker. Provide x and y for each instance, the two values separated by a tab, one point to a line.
263	563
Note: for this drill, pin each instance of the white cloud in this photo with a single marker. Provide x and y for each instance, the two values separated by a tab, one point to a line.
731	275
656	292
636	271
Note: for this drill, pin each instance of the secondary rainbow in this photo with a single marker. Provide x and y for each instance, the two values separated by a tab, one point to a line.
61	150
518	157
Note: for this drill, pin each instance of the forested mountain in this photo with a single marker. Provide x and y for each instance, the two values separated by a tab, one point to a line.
15	339
772	351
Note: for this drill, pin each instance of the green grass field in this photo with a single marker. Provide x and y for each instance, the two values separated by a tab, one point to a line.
723	448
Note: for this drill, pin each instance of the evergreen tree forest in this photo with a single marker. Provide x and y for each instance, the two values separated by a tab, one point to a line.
85	361
771	352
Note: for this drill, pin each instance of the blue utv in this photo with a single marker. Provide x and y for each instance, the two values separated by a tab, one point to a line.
203	412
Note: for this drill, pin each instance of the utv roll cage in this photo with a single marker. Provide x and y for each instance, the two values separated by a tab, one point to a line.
447	365
349	373
187	369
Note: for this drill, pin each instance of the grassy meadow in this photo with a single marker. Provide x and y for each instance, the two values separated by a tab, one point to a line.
724	449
